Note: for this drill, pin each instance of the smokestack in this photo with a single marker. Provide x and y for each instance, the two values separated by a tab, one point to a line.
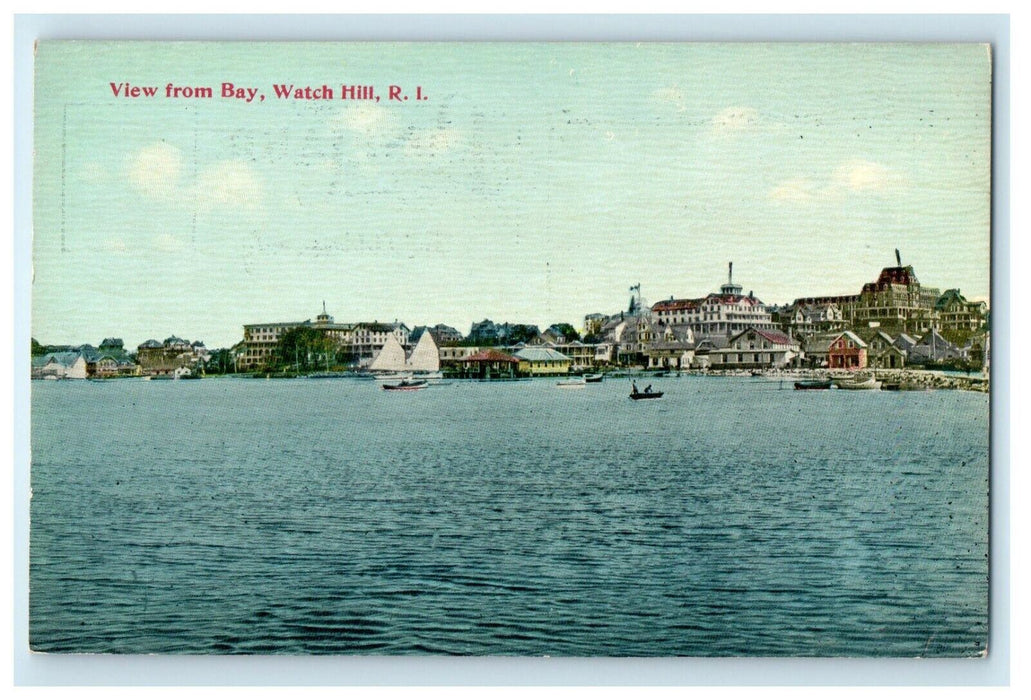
730	274
898	257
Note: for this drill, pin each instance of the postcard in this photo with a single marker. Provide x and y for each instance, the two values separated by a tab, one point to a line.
511	349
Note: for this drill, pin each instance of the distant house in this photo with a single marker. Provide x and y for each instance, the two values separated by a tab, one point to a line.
60	365
489	364
756	348
881	351
847	351
955	313
541	361
932	348
581	355
675	350
442	334
808	319
904	342
156	358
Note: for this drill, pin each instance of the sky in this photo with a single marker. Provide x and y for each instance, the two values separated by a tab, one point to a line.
535	183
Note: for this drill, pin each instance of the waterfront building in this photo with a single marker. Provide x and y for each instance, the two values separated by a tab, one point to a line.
808	319
362	340
581	355
536	361
160	358
489	364
60	365
674	351
881	351
442	334
755	348
847	351
634	336
932	348
726	313
593	324
898	303
958	315
905	343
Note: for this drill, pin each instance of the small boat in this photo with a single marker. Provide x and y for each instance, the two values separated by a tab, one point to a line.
638	395
813	384
593	378
858	383
571	384
406	385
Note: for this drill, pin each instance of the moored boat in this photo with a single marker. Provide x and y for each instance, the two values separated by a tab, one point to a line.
868	383
813	384
406	385
593	378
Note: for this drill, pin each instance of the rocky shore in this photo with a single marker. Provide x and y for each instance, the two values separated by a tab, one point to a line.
907	379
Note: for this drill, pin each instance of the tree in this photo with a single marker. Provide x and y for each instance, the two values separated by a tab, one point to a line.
304	348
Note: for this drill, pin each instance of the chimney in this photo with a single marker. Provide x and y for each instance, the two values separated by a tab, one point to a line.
730	274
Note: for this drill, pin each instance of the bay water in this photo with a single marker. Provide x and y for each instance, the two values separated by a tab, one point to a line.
732	517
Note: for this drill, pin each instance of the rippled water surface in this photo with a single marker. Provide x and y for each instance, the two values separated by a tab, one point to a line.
732	517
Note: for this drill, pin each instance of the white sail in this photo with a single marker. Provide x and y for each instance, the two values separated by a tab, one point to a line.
391	357
425	357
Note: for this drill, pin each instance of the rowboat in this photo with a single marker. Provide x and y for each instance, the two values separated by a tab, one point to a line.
639	395
813	384
406	385
858	383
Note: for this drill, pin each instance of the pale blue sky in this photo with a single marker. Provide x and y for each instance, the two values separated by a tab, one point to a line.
536	184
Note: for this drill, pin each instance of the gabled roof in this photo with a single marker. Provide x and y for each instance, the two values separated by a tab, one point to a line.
490	355
904	341
539	354
676	304
948	297
821	342
772	336
66	358
851	336
890	276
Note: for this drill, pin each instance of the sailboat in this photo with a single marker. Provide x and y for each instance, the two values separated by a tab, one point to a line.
425	359
390	362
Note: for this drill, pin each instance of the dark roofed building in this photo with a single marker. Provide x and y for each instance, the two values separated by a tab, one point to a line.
489	364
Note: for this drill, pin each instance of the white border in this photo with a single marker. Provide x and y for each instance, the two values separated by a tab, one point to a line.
33	669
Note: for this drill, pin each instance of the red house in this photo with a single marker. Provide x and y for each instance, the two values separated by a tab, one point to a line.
848	351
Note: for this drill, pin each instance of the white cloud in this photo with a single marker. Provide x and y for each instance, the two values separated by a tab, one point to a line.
861	175
154	170
852	178
797	189
734	120
366	118
230	183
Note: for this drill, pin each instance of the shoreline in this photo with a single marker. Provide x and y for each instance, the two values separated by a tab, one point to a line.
910	378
